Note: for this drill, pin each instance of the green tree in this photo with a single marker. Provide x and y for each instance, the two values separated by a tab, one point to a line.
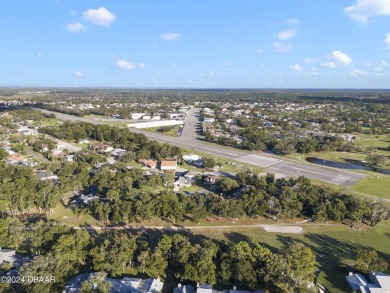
96	284
368	260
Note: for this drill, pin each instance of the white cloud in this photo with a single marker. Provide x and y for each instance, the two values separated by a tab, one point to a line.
293	21
141	65
123	64
75	27
78	74
295	67
282	47
329	65
387	40
385	64
288	34
100	16
357	73
40	55
170	36
340	58
363	10
259	51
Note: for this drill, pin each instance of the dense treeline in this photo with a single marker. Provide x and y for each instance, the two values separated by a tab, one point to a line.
259	139
126	199
63	252
137	144
128	195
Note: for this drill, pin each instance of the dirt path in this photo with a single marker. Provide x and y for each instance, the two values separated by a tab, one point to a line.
272	228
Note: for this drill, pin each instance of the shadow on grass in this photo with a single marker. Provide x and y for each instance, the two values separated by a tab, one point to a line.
235	237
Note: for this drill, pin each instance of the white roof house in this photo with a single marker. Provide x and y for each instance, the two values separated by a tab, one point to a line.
190	157
184	289
47	176
7	255
125	285
380	283
204	288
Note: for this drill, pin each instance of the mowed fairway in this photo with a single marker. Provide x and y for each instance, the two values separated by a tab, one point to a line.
375	185
338	242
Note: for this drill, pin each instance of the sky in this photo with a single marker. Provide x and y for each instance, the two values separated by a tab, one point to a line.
195	43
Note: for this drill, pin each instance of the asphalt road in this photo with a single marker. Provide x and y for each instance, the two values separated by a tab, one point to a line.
278	165
189	130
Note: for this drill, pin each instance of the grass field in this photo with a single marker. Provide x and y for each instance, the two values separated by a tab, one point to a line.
66	216
338	242
382	142
172	132
375	185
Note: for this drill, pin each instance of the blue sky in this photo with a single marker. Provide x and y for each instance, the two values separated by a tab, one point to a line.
196	43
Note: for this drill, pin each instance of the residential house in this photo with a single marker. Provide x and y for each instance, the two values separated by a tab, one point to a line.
136	116
15	159
168	164
190	176
189	158
182	182
8	256
58	153
125	285
84	141
44	148
184	289
209	120
85	199
204	288
29	164
211	180
24	130
103	147
47	176
152	164
380	282
70	158
8	149
118	153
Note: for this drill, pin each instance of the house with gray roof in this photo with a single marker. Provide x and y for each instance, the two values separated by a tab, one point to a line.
125	285
379	283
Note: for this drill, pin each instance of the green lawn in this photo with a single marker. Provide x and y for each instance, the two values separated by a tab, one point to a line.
382	142
375	185
66	216
173	132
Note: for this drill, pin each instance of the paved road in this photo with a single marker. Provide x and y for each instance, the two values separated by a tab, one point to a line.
37	156
189	130
278	165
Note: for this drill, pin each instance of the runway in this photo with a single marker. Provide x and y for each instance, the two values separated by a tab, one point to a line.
276	164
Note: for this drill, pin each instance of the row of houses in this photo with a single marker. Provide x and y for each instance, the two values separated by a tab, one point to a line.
168	164
138	285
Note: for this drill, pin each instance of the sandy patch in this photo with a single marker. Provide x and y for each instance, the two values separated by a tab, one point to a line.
283	229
